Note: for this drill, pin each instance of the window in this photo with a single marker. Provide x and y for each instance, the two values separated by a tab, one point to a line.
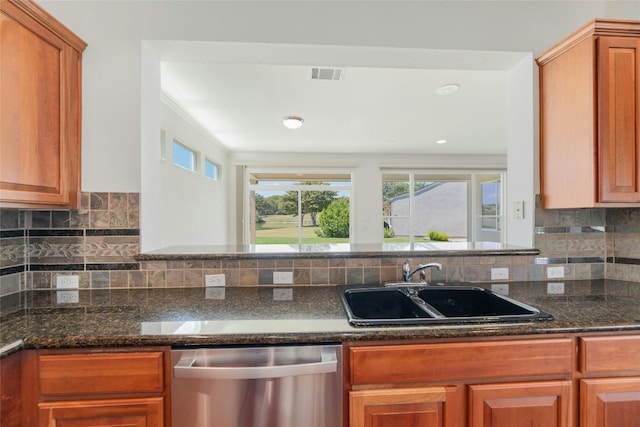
415	205
490	199
298	208
211	170
184	156
163	149
427	206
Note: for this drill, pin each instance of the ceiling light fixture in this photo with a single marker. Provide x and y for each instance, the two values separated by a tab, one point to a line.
292	122
448	89
441	141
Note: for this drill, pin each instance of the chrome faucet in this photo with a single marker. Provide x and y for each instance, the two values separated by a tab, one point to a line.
407	273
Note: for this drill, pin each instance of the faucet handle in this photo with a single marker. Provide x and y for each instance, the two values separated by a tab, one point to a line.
406	270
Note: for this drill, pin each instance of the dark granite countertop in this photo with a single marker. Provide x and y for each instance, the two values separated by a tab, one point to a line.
250	315
335	250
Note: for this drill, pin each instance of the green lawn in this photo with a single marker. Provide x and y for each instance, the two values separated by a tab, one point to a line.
283	229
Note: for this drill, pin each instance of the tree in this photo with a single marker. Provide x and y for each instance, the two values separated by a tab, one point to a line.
334	220
267	205
312	202
392	189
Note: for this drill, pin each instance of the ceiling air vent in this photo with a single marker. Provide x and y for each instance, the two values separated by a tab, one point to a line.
326	73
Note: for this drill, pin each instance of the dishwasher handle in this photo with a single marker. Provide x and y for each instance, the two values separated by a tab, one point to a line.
185	369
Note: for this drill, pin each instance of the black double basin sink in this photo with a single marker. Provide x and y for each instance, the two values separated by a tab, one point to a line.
434	305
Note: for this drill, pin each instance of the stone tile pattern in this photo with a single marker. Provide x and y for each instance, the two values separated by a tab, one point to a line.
332	271
589	243
13	257
100	237
98	243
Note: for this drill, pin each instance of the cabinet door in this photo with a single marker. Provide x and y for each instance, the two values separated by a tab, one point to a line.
610	402
530	404
11	390
619	118
144	412
407	407
39	110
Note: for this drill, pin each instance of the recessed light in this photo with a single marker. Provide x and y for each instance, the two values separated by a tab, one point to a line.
292	122
441	141
448	89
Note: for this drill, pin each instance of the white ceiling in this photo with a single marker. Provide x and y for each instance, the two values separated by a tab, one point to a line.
386	101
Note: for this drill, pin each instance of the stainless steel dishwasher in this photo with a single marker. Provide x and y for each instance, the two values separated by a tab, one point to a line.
288	386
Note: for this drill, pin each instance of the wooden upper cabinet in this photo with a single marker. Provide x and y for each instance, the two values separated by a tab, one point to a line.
619	118
590	117
40	108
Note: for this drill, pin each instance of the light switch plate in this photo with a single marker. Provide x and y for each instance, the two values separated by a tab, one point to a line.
555	272
67	281
283	277
214	280
518	209
500	273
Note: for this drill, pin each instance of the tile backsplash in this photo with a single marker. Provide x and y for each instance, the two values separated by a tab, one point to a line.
99	241
590	243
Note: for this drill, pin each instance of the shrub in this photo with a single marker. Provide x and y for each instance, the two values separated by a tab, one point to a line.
334	219
388	232
438	237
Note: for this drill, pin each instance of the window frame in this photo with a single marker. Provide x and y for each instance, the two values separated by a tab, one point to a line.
474	202
195	155
295	174
498	215
217	169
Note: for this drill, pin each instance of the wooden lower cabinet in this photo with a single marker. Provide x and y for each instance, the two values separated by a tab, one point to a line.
97	388
11	390
141	412
531	404
484	383
610	402
610	388
406	407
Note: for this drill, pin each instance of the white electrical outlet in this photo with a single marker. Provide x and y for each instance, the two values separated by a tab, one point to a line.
67	297
555	288
500	273
67	281
283	294
283	277
502	288
214	280
555	272
215	292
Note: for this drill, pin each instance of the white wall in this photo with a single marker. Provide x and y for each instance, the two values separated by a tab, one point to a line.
114	31
115	68
193	207
150	164
520	153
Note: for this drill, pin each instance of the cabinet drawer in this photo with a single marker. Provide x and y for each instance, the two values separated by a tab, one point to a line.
100	373
147	412
458	361
608	354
